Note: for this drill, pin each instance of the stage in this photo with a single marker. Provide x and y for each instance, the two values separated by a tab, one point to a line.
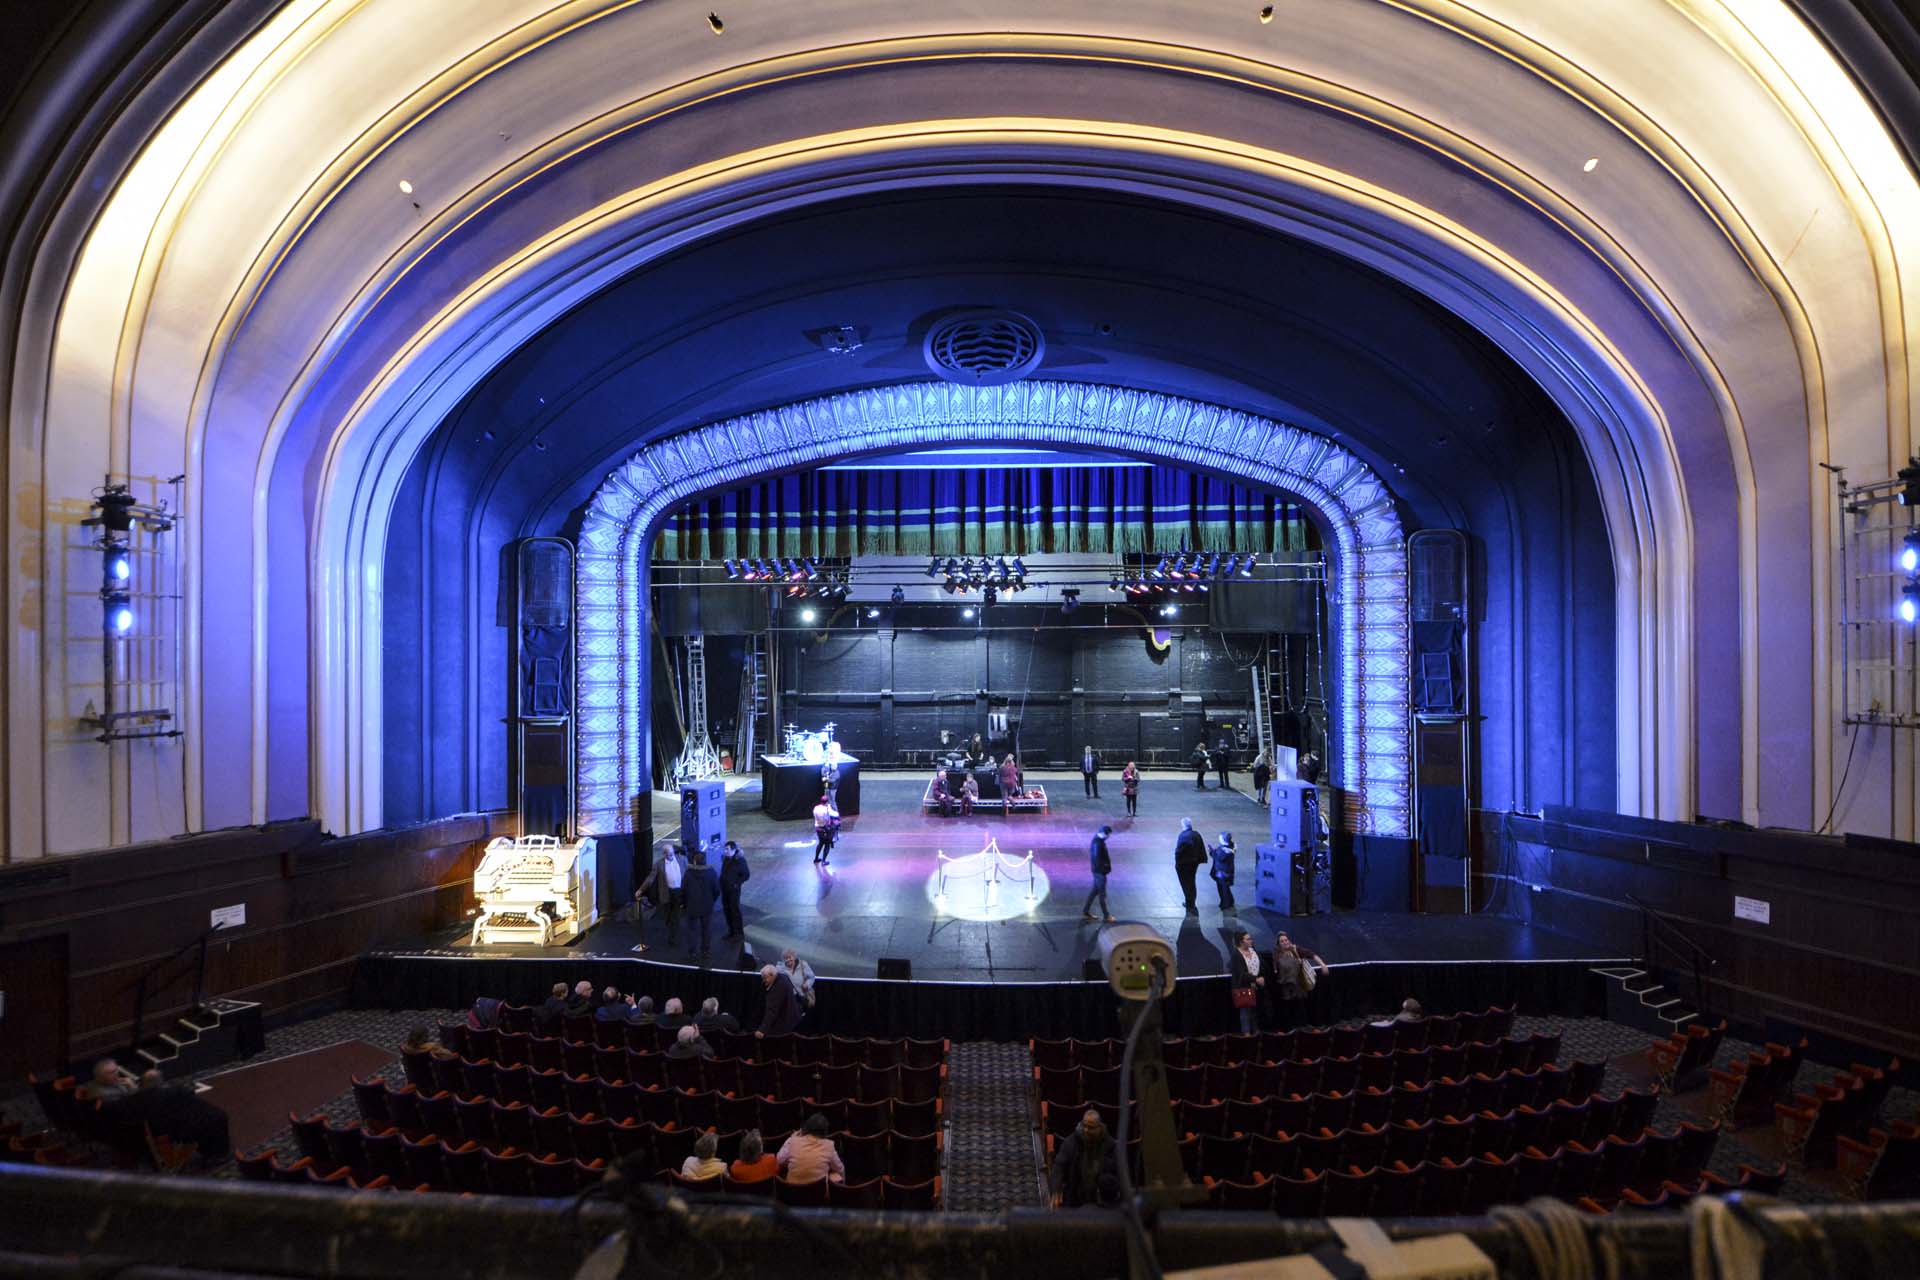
877	899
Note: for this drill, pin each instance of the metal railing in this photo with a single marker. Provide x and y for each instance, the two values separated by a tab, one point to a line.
146	983
1696	957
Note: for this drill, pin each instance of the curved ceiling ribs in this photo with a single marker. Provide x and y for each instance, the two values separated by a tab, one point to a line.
1684	292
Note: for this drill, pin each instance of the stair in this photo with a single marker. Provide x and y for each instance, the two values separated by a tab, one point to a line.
200	1038
1637	997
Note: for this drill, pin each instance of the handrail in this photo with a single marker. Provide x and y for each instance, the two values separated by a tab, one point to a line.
1649	917
199	981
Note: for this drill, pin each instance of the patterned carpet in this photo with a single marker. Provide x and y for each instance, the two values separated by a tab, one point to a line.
990	1142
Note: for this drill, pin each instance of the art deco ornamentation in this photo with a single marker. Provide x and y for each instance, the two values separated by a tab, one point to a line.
1368	577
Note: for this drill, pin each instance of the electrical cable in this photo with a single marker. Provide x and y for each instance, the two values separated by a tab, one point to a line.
1129	1203
1841	789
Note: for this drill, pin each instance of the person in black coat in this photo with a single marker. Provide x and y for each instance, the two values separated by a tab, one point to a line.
1189	855
1222	872
1223	758
1101	864
1086	1170
702	887
1090	771
1201	763
734	872
1247	970
783	1006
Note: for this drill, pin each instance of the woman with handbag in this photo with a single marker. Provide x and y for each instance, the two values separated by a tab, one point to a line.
1293	979
1248	981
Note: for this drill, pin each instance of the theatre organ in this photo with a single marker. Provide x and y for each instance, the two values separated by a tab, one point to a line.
536	890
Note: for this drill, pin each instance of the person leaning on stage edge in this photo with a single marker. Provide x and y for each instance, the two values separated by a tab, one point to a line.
1130	787
1290	978
1101	864
783	1006
734	872
667	881
1189	855
1090	771
1246	966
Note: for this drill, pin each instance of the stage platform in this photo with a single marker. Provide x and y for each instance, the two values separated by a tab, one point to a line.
979	969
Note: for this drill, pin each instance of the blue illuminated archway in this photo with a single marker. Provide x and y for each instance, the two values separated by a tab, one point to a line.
1367	579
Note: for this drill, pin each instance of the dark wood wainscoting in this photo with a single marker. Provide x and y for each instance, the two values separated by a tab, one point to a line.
1838	952
312	905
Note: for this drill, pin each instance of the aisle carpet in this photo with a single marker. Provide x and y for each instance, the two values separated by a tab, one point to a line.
258	1098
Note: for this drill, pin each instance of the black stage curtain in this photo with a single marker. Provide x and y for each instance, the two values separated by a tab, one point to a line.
978	1010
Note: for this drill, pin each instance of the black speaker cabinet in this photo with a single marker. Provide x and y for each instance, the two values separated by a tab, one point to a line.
1283	881
1293	815
703	813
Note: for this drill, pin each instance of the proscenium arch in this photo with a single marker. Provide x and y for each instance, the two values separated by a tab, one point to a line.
1617	416
1367	579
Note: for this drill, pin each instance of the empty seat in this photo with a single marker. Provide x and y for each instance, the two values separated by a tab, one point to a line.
922	1196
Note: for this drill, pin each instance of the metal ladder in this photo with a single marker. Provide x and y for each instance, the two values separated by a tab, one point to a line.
754	677
1262	710
697	759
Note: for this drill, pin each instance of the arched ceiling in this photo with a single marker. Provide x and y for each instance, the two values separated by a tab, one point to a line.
1685	223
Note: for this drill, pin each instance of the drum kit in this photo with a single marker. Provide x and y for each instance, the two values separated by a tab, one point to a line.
814	747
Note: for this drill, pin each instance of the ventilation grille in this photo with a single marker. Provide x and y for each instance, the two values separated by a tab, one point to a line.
984	348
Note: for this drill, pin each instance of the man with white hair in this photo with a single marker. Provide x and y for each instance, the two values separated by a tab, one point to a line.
687	1043
110	1081
711	1021
673	1016
783	1006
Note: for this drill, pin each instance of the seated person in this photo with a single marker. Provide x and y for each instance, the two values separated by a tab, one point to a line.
614	1007
703	1163
109	1082
688	1044
580	1002
485	1014
938	793
711	1021
175	1112
969	795
673	1016
556	1005
641	1012
809	1155
419	1040
754	1163
1410	1011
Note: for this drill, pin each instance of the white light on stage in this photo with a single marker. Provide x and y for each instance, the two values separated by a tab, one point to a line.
967	612
1910	603
1169	610
808	615
969	887
1910	552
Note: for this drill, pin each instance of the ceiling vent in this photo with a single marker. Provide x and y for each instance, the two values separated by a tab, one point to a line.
984	348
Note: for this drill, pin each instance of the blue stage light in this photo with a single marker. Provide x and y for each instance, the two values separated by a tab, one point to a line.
967	612
1160	570
119	614
1246	570
1910	552
1910	603
119	566
933	567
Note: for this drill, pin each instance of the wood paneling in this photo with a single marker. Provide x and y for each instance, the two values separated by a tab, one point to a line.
1839	953
312	905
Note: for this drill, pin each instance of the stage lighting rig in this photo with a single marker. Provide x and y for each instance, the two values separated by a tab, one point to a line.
1909	557
989	596
1069	599
1909	477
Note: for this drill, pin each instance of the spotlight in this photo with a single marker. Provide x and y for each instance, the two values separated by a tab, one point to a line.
1909	476
873	613
1205	587
1910	552
795	570
953	567
1910	603
933	567
1069	600
1160	570
119	612
967	612
808	615
1180	567
1113	584
1169	610
732	567
119	566
897	596
1246	569
813	570
1019	567
116	507
1213	563
989	596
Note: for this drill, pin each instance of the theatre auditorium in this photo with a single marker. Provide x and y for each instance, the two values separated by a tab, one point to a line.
1016	638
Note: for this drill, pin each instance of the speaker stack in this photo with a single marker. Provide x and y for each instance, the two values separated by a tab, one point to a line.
703	813
1283	867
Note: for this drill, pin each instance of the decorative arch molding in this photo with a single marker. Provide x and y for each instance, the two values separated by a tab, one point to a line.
1368	579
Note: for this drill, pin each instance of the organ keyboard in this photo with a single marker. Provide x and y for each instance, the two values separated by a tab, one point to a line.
536	890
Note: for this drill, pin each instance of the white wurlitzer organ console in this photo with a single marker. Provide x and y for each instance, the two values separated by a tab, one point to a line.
536	890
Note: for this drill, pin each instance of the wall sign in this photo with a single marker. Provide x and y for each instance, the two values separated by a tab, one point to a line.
1755	909
230	917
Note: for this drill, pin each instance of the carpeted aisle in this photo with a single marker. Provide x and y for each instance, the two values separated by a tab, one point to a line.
990	1135
257	1099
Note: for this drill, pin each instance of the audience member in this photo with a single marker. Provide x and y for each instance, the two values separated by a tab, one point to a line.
783	1006
688	1044
555	1006
809	1155
642	1012
703	1163
614	1007
580	1002
800	974
1410	1011
484	1015
110	1081
673	1015
969	795
754	1163
419	1040
734	872
710	1020
175	1112
1086	1169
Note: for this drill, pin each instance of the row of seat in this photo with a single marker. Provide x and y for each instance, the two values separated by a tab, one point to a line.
569	1050
1810	1124
1345	1140
1445	1188
128	1144
481	1116
1291	1112
368	1151
1325	1075
1681	1062
1745	1092
550	1087
1282	1046
1882	1165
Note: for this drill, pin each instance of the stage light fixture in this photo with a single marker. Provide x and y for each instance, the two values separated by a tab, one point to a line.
732	567
989	596
950	586
813	570
1069	600
1160	570
1169	610
897	596
1909	477
119	565
1113	584
1019	567
873	613
933	567
1205	586
967	612
119	612
1246	569
1910	552
1910	603
808	615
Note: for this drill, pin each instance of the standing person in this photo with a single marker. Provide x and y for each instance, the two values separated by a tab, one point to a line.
1248	981
734	872
1086	1170
826	828
969	794
702	889
800	974
782	1013
667	880
1189	855
1009	784
1223	757
1222	871
1101	864
1262	776
1201	763
1090	771
1130	787
830	780
1293	979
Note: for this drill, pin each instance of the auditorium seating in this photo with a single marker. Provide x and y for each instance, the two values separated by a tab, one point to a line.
1682	1062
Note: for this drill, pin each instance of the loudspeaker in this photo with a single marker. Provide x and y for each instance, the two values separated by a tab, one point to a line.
893	968
1293	815
1283	881
703	813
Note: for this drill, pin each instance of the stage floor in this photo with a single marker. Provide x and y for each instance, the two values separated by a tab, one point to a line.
876	897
